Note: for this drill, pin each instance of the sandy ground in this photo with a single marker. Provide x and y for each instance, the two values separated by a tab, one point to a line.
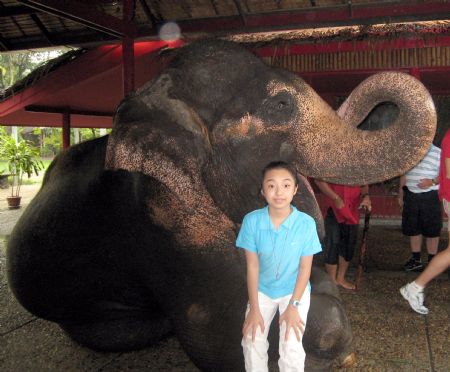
8	217
388	335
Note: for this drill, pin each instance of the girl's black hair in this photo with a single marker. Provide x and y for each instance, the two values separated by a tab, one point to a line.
279	164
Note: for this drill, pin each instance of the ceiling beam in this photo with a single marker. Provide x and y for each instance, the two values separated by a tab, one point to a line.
61	110
214	5
83	38
364	14
148	13
4	44
156	11
85	15
42	28
13	11
238	6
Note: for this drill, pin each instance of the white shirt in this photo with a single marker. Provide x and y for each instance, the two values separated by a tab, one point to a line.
428	167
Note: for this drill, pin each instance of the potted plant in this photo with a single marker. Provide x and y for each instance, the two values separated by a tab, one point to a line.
22	159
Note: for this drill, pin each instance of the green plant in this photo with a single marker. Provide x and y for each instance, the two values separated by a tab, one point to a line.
22	159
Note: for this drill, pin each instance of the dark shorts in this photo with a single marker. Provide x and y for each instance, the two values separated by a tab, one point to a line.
422	214
340	239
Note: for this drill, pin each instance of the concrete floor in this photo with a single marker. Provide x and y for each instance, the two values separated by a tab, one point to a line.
388	335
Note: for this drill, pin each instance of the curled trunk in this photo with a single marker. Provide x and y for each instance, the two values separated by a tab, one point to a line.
339	152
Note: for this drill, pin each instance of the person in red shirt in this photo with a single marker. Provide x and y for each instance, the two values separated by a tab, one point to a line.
340	209
414	292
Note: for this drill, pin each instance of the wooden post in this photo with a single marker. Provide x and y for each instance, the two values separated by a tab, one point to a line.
415	71
128	50
66	129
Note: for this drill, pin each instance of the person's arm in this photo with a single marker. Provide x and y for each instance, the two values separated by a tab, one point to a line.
254	317
291	315
401	183
328	191
426	183
447	167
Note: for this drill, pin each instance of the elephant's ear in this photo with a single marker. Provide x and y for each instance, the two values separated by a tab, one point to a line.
153	126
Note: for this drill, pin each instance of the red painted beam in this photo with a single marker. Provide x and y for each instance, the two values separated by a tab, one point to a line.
85	67
84	14
314	17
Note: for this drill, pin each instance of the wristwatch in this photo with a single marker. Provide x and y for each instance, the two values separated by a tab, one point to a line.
433	182
294	303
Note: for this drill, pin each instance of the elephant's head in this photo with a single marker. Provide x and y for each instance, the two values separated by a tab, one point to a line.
220	109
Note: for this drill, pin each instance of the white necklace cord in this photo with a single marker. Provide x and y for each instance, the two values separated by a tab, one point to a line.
277	266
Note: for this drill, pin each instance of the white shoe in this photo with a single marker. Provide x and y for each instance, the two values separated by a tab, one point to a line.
415	297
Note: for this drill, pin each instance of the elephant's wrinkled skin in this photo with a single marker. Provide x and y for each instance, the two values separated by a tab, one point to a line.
132	236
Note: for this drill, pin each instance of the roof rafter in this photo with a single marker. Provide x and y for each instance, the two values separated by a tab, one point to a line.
13	11
84	14
42	28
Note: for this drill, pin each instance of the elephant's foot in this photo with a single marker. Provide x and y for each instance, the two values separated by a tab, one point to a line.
117	334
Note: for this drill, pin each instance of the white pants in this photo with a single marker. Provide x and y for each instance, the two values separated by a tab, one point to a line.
292	354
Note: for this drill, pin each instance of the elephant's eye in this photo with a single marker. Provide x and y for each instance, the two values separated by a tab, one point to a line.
278	109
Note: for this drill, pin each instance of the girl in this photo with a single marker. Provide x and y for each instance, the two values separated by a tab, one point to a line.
279	243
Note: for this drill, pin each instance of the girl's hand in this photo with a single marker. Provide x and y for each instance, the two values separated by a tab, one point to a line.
251	323
293	320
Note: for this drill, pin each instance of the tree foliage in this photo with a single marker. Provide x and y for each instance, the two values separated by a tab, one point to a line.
17	65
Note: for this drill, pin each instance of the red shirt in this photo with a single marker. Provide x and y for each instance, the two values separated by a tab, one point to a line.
444	182
348	214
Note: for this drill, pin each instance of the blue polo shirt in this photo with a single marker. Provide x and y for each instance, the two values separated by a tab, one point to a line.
278	250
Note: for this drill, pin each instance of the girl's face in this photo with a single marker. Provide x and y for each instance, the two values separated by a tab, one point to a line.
278	188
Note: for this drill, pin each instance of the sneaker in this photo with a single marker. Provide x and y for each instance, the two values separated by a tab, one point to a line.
413	265
415	297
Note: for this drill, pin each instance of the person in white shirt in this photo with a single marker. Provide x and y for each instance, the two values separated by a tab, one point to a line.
421	208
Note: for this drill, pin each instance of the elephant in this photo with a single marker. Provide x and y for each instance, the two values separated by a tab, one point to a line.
131	236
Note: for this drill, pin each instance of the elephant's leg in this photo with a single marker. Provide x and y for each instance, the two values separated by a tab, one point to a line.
328	333
204	294
133	330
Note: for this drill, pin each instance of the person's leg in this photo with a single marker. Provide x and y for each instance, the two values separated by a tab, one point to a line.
411	228
414	292
292	353
432	245
331	270
349	235
431	221
342	270
437	266
415	262
255	352
416	243
332	237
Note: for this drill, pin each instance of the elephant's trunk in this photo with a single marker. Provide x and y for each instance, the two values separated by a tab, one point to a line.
337	151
